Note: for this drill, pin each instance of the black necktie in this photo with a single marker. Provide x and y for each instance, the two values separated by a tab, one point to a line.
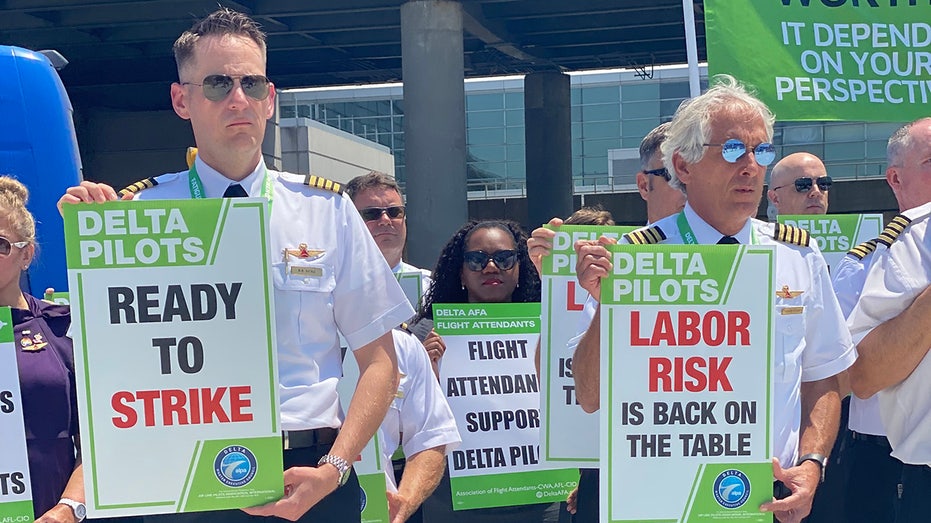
235	191
728	240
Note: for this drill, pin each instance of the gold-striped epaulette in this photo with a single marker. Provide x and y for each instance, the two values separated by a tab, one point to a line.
647	236
319	182
789	234
863	250
893	229
147	183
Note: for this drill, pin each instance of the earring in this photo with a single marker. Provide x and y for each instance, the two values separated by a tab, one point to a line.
463	286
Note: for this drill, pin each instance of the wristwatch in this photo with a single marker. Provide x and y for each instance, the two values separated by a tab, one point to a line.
820	459
80	511
341	465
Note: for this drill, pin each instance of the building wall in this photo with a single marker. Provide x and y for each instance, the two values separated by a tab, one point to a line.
310	147
611	111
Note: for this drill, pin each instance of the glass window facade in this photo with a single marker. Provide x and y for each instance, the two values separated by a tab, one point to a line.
609	110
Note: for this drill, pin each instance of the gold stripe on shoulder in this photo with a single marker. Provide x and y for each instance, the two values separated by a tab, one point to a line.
141	185
647	236
319	182
789	234
863	250
893	229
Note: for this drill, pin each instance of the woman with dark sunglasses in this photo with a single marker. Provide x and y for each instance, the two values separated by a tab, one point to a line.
46	369
484	262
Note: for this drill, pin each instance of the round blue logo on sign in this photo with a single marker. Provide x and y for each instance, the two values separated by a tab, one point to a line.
364	500
731	488
235	466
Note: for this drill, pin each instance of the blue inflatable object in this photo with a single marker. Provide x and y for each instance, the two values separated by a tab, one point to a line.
38	146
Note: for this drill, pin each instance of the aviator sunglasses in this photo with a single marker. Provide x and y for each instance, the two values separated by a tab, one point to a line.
218	86
6	246
477	260
733	149
805	184
374	213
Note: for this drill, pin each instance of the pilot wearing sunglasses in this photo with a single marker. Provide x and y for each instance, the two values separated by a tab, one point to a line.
799	185
223	91
718	146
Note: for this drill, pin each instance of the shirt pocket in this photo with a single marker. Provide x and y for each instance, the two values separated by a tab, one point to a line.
790	333
301	275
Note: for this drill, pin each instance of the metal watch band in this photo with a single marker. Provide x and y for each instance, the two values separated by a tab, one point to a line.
341	465
820	459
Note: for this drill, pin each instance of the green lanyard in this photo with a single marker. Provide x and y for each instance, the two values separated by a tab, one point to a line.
197	186
688	236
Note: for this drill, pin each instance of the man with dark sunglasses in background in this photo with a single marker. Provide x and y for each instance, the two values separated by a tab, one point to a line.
223	91
377	196
653	178
799	184
419	419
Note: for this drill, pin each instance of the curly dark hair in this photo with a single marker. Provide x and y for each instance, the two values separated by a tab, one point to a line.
447	284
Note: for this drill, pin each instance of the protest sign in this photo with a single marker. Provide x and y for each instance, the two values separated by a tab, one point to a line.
175	355
686	383
369	466
826	59
569	436
836	234
15	489
492	388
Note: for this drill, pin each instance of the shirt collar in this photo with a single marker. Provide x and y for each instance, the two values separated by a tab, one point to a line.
705	234
215	184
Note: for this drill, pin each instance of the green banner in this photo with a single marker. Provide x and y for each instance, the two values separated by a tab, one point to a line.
486	318
145	233
668	274
826	59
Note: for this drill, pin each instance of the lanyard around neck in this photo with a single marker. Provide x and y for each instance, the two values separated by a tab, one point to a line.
197	186
688	235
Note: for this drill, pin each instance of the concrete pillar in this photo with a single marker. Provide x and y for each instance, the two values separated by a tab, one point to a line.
548	146
434	125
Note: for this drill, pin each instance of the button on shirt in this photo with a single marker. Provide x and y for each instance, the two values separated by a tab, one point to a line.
898	275
355	294
810	346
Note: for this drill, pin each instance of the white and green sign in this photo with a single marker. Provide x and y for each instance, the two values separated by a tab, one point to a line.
369	467
175	355
493	390
686	384
15	490
826	60
568	436
836	234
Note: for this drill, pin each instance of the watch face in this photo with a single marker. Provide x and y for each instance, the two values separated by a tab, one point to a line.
80	511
